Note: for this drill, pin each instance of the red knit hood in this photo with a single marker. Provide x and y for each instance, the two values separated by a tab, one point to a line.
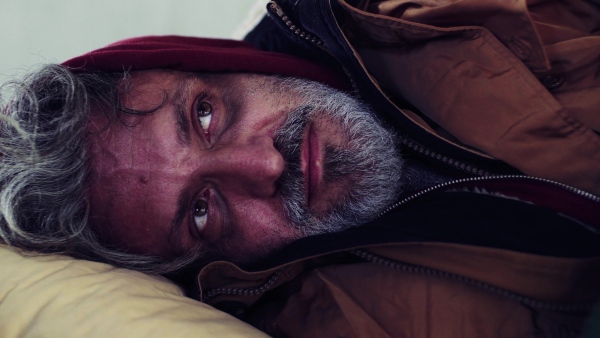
199	54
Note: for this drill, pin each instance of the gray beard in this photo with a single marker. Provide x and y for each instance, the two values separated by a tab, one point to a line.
368	164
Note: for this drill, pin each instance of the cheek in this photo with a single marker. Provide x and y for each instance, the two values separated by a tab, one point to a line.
262	213
261	226
263	111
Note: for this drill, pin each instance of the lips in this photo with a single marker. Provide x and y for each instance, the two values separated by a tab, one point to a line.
311	164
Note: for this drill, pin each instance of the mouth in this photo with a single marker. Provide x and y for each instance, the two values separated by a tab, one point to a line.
311	164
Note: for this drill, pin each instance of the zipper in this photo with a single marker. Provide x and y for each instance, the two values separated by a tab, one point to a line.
422	270
562	186
256	291
278	11
274	9
462	166
210	294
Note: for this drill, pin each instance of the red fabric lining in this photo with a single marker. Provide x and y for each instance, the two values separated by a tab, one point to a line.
199	54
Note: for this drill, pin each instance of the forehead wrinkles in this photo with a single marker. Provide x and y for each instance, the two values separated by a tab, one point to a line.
179	100
145	92
141	97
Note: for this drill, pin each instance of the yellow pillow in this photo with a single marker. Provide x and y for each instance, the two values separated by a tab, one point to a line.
58	296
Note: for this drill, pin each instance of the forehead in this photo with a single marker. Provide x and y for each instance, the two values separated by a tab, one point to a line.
137	117
133	157
148	90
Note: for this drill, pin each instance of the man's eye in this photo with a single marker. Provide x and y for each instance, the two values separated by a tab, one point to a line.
204	112
200	214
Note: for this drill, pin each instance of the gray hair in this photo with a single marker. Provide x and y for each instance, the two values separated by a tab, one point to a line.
44	167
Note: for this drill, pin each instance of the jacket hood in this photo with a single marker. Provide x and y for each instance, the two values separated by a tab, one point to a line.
199	54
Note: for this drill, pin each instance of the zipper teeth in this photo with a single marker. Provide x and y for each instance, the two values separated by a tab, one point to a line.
542	305
445	159
563	186
277	10
210	294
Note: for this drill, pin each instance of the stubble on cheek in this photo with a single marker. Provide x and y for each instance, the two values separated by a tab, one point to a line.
255	228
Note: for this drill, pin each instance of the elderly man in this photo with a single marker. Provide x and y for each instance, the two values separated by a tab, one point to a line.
189	165
159	153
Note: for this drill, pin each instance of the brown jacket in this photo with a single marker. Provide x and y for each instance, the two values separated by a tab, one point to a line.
516	80
513	80
453	262
415	290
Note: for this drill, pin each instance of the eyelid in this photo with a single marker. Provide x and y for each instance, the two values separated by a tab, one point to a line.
205	195
217	215
207	135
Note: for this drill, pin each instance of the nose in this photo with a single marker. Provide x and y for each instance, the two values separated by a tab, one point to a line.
250	168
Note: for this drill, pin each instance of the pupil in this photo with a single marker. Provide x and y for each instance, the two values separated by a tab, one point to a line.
200	208
204	108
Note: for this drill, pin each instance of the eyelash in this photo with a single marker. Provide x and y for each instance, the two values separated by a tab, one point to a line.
204	125
201	209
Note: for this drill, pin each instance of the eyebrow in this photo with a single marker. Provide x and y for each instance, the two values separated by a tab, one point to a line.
183	202
180	102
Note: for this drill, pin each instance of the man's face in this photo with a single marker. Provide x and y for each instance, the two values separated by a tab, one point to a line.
232	165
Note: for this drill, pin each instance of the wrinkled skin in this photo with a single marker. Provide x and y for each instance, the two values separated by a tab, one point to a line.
148	177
